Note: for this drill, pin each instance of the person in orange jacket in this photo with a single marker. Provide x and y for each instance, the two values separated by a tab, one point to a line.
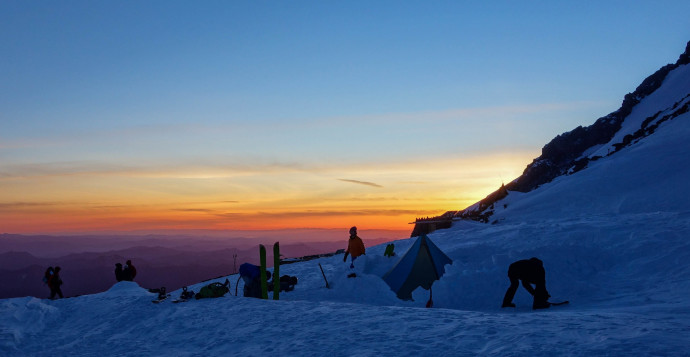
355	247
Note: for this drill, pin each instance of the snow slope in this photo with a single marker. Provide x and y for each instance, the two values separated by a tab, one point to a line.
613	238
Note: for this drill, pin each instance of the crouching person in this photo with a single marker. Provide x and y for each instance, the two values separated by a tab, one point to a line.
529	271
250	274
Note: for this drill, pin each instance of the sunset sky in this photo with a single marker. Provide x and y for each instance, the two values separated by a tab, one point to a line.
129	115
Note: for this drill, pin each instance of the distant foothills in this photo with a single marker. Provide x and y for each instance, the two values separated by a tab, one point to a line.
173	260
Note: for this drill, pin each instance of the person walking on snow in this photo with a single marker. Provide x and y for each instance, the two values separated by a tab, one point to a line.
48	277
355	247
55	283
529	271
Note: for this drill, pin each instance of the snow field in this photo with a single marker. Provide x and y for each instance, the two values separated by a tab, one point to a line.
614	239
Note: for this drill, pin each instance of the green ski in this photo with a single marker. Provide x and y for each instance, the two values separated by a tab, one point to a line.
276	271
262	273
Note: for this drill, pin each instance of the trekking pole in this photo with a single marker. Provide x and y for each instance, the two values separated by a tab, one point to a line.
237	284
324	276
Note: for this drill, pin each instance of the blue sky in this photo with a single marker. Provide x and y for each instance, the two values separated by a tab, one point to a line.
286	94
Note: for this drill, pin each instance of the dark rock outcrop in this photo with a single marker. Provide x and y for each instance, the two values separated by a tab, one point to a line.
564	154
559	155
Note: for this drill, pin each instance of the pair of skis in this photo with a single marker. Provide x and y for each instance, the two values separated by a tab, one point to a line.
276	271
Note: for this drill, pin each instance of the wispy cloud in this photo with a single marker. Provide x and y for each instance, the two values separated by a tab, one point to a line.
202	210
8	206
329	213
176	170
365	183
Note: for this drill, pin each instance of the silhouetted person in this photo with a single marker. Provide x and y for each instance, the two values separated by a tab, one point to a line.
530	272
55	283
119	274
48	277
129	271
355	247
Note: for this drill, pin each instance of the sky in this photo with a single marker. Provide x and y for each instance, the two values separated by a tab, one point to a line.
224	115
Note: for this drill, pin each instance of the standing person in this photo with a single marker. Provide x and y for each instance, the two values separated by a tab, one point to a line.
129	272
55	283
119	275
355	247
529	271
48	277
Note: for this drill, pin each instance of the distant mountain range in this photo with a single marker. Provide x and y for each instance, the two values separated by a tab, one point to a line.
173	261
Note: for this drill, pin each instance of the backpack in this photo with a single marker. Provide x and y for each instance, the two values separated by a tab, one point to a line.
389	250
249	272
212	290
287	283
48	275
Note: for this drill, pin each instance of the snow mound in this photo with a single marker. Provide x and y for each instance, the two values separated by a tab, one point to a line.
126	288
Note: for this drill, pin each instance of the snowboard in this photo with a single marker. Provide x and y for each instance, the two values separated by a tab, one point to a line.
161	295
559	303
185	296
160	299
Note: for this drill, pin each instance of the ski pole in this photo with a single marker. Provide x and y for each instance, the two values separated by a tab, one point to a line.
324	276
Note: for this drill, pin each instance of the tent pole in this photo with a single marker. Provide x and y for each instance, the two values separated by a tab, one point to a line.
430	303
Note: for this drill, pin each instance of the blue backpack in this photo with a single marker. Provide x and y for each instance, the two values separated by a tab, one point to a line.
249	272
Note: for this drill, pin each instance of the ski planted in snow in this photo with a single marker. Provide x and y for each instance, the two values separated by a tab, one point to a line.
276	271
262	273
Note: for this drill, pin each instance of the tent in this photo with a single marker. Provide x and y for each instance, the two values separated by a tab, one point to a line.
421	265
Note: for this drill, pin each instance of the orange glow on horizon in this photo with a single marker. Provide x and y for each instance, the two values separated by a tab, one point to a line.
74	221
376	196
